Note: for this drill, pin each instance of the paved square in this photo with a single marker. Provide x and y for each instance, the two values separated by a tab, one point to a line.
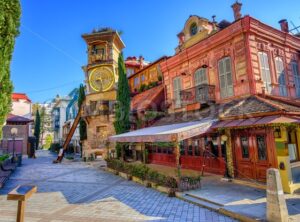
76	191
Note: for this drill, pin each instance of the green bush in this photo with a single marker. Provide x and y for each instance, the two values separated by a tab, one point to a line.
4	157
142	88
160	78
145	173
139	170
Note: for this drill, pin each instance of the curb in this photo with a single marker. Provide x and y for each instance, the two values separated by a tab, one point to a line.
220	210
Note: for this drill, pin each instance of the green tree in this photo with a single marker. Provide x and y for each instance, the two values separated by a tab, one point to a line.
49	140
122	123
37	128
82	123
10	13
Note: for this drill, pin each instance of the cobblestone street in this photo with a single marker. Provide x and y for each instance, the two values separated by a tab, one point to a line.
76	191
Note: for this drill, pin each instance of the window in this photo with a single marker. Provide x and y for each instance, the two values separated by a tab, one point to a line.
296	74
193	29
292	146
98	50
261	147
136	81
93	105
182	148
143	77
190	150
280	76
225	76
176	91
265	71
197	147
129	72
152	74
245	147
200	77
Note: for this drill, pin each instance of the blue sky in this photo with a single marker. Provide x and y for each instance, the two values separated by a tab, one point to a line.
50	52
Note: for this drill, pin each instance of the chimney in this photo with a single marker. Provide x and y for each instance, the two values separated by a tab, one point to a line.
284	25
141	58
237	6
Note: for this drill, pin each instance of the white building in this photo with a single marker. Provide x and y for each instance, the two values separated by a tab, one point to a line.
60	105
21	105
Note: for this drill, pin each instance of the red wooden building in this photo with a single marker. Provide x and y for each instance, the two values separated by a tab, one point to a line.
244	76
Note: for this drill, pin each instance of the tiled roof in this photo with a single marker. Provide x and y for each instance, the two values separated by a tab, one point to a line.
251	106
256	105
15	118
147	99
18	96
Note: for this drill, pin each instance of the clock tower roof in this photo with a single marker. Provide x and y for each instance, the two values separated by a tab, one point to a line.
104	35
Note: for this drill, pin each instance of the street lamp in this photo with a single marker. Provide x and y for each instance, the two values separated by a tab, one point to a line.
14	132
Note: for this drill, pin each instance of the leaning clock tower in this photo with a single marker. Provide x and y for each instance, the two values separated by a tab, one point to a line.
101	78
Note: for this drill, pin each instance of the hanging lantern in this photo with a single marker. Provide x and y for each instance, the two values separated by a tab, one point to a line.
224	137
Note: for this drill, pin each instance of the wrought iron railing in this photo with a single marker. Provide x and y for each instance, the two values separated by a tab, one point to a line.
202	93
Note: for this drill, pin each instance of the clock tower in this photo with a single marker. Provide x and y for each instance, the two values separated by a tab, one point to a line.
101	78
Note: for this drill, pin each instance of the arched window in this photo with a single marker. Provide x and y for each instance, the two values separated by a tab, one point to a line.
225	77
200	76
193	29
280	76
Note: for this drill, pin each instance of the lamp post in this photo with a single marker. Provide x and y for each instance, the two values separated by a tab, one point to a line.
14	132
224	138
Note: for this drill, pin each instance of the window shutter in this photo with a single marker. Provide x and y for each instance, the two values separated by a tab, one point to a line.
265	71
225	76
295	70
176	91
281	76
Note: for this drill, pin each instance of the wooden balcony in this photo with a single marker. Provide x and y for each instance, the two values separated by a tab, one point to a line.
202	94
99	108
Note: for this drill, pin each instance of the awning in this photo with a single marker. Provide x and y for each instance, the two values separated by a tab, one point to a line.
276	119
166	133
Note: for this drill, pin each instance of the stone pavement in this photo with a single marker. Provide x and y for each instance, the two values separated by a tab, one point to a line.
76	191
243	200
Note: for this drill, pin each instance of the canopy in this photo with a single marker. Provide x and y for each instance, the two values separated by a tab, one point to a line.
275	119
166	133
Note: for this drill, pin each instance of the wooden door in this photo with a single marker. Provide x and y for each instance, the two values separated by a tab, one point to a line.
254	155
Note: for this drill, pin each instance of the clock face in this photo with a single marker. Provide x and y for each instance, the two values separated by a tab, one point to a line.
101	79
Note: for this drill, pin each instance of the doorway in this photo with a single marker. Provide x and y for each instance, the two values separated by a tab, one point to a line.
254	154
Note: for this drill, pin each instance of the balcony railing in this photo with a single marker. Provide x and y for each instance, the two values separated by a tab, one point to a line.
203	93
98	109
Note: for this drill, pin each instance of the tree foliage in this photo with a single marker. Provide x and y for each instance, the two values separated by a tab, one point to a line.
37	127
82	123
10	13
122	123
